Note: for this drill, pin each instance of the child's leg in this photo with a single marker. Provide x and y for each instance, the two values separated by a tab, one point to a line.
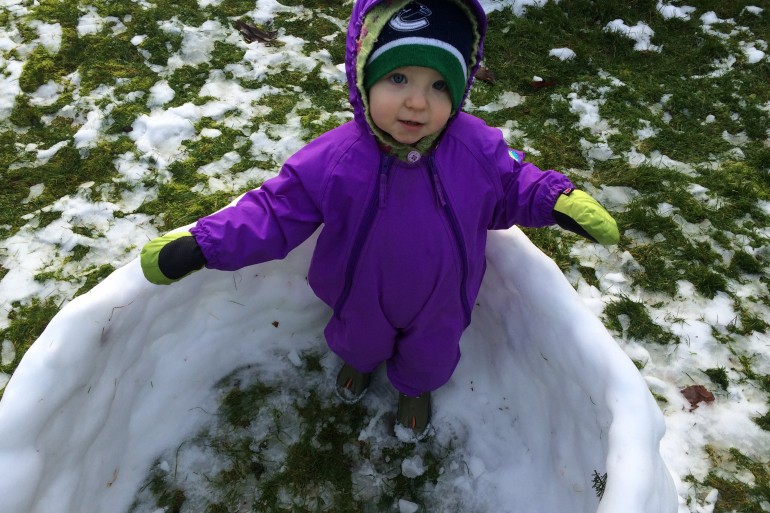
426	353
363	338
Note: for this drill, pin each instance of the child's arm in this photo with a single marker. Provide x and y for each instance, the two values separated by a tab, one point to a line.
534	198
264	225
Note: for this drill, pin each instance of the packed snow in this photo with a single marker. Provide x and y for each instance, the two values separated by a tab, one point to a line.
125	372
543	396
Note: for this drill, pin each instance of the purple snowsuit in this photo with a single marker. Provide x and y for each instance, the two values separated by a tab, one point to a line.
401	254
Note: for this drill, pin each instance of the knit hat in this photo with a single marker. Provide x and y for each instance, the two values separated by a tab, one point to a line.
436	34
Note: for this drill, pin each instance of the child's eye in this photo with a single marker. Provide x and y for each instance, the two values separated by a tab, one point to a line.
439	85
398	78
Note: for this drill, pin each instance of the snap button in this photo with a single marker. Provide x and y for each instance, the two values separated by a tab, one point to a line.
413	156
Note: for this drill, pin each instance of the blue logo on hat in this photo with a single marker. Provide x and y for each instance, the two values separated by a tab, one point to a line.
515	156
412	17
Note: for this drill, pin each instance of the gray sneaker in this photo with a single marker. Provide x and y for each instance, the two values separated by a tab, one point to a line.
414	414
351	384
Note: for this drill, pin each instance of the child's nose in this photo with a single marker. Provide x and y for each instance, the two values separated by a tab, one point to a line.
417	100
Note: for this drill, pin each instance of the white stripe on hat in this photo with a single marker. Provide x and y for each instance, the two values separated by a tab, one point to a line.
425	41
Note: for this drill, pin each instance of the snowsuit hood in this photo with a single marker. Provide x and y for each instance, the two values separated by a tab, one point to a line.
353	48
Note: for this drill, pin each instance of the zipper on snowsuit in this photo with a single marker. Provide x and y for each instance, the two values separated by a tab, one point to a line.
456	231
376	201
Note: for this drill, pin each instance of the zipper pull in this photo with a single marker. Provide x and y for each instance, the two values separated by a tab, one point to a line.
436	183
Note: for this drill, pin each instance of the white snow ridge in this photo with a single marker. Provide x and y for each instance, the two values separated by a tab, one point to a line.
543	396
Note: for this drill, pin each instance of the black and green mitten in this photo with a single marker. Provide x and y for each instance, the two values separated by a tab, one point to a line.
171	257
578	212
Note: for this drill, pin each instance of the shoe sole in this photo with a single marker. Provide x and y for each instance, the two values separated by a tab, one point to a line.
349	400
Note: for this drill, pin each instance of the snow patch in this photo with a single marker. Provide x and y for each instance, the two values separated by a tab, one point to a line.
563	54
34	192
90	23
9	87
160	134
670	11
518	7
49	35
160	94
45	95
641	34
507	100
752	53
8	353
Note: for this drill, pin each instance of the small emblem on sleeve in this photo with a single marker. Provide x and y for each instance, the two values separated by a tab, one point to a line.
515	156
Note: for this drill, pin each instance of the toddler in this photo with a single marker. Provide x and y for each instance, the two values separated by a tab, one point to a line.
405	192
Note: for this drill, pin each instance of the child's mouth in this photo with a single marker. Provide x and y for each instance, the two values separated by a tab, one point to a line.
411	123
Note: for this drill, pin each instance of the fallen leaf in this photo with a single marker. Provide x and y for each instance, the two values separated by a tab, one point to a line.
697	394
486	75
542	84
251	33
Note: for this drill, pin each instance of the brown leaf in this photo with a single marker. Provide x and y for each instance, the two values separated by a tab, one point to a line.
251	33
697	394
486	75
542	84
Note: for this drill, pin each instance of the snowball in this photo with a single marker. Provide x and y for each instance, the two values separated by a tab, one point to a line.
413	467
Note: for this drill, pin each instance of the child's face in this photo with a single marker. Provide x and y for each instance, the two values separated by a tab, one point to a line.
410	103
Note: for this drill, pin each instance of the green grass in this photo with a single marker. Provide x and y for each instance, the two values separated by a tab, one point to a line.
738	495
640	325
27	322
263	451
718	376
716	240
